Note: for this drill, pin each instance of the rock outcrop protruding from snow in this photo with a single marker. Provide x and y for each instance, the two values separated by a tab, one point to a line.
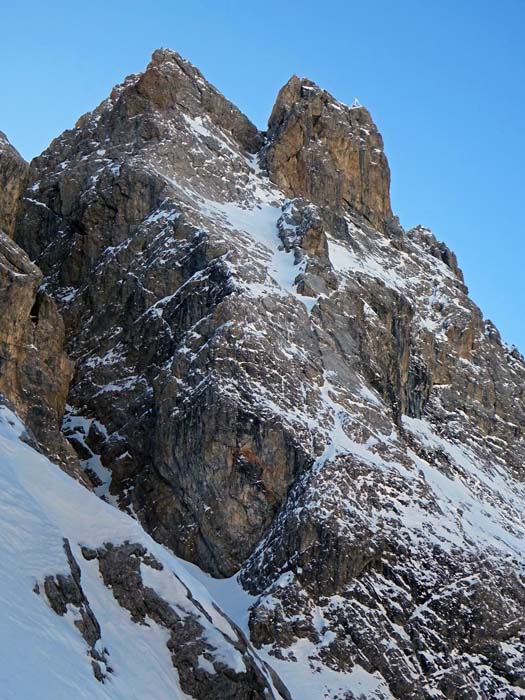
99	609
65	590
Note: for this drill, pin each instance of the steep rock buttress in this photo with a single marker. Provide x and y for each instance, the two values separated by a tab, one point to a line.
272	375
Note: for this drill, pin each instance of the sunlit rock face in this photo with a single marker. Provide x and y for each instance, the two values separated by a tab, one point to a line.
13	177
328	153
35	372
274	377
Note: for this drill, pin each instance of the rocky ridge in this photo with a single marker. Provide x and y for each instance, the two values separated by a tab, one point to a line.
328	153
13	180
273	376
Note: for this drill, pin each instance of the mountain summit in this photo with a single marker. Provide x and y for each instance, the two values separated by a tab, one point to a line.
13	170
293	396
327	152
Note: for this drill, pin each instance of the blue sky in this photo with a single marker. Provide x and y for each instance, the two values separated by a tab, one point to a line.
444	82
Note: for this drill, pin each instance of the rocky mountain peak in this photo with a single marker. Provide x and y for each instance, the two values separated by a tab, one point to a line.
327	152
290	95
4	142
172	83
148	110
271	382
13	174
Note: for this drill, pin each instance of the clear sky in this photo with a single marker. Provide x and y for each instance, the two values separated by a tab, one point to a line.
443	79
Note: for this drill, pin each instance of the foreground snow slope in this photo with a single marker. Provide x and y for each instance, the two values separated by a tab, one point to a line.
42	654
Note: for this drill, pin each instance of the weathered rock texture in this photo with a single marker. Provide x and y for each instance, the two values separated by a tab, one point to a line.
65	590
196	647
13	179
34	370
202	671
147	276
93	608
328	153
274	376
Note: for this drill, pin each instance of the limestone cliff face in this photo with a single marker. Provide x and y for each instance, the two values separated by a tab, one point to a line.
273	376
328	153
147	275
34	372
13	177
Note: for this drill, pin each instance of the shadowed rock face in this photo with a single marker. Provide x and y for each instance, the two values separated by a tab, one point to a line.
65	590
277	378
328	153
147	275
13	179
34	370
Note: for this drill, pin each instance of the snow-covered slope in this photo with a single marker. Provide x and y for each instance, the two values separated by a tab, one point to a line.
43	654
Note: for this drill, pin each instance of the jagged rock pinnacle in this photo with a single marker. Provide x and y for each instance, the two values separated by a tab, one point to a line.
13	174
327	152
170	81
